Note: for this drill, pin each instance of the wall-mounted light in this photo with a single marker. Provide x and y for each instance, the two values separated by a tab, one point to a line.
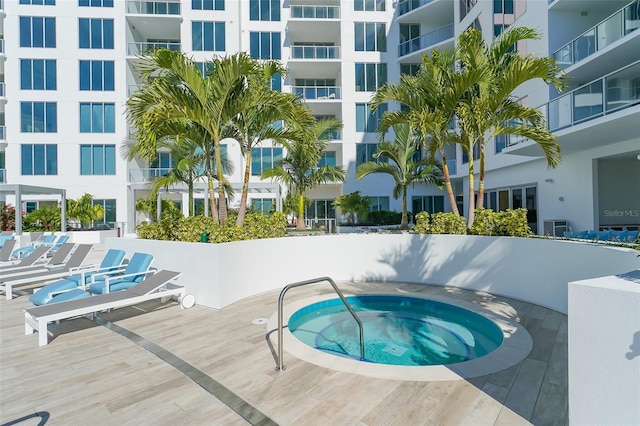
560	198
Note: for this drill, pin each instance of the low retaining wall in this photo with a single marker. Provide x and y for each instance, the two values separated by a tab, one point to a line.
529	269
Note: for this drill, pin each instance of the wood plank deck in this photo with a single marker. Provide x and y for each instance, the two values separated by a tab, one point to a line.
90	373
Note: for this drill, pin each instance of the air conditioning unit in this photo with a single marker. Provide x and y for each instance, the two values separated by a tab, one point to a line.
555	228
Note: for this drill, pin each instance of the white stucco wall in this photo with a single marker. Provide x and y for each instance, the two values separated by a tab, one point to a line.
534	270
604	351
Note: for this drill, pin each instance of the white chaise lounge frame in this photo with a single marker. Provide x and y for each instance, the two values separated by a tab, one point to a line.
157	286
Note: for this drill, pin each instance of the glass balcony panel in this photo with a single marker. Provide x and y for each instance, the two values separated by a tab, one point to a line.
584	45
426	40
588	101
610	31
1	90
560	112
408	5
1	45
564	56
2	173
623	88
632	17
153	7
2	133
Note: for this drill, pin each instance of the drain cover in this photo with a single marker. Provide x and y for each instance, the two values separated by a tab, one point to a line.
395	349
259	321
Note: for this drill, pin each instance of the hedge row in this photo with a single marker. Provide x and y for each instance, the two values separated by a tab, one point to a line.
487	222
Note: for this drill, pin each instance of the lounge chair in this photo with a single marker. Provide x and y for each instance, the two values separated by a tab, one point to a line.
76	259
56	260
134	272
7	248
37	254
4	238
79	277
156	286
49	240
55	245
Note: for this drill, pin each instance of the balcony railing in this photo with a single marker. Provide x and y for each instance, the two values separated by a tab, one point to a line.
315	52
614	92
145	175
2	45
406	6
2	175
315	12
2	133
153	7
1	90
426	40
317	92
612	29
136	49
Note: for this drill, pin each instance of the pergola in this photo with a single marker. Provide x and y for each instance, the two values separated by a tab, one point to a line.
19	190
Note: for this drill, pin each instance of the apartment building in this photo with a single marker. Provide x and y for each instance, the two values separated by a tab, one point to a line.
68	66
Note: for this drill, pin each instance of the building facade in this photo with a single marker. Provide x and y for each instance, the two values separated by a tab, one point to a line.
68	67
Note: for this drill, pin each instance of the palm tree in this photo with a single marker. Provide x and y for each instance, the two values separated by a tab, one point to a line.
299	168
489	108
256	121
402	166
353	205
429	101
176	93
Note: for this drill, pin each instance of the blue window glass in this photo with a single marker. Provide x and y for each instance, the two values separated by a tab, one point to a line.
38	117
39	2
265	45
95	3
37	31
97	75
207	4
95	33
97	159
370	37
367	121
39	159
276	82
264	10
263	159
37	74
208	36
97	117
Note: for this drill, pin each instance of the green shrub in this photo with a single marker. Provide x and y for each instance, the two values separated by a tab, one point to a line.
190	228
484	222
384	217
164	229
423	224
447	223
512	223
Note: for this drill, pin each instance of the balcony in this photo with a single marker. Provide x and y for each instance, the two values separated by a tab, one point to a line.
314	12
597	38
1	90
426	41
602	112
2	137
153	7
137	49
3	173
146	175
317	92
315	52
406	6
1	46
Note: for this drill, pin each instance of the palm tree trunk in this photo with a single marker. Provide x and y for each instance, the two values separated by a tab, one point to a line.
480	201
471	213
301	226
212	199
447	183
222	212
190	185
404	222
245	191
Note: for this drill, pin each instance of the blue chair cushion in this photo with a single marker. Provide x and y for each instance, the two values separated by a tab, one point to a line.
117	285
78	293
602	235
46	293
591	235
631	236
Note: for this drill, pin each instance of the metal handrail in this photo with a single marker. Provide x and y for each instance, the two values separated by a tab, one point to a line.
300	284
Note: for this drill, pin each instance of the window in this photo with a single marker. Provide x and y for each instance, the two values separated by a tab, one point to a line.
263	159
476	154
365	152
328	158
503	6
427	203
97	117
207	4
95	33
369	77
276	82
466	6
162	164
96	75
320	209
378	203
30	206
265	45
370	37
37	31
97	159
95	3
2	167
204	67
207	36
38	74
262	205
38	117
39	159
512	198
39	2
264	10
109	208
409	32
367	121
409	69
369	5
